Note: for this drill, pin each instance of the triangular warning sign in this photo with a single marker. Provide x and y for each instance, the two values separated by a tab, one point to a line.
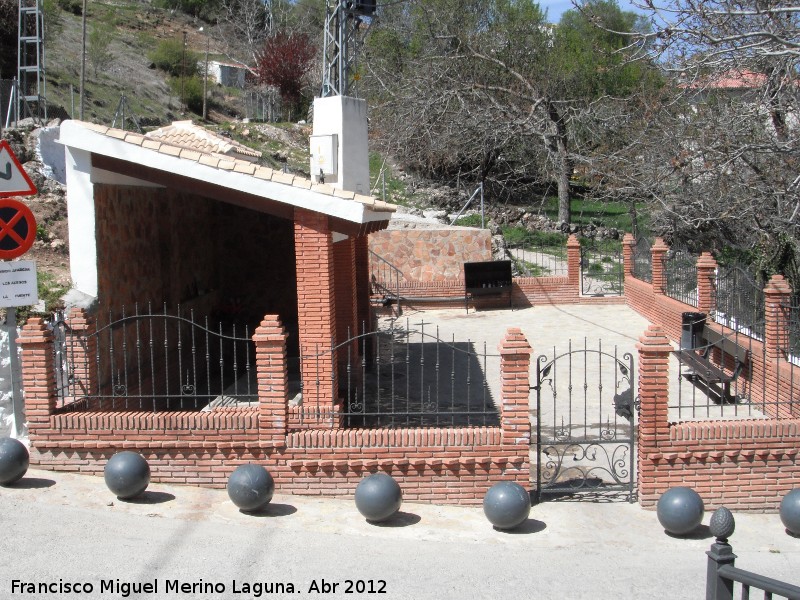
14	181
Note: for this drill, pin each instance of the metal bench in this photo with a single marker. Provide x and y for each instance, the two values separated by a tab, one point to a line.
698	360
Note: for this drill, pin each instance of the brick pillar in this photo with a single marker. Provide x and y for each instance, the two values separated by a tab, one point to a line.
777	296
706	283
515	360
657	252
38	375
363	313
654	350
628	244
574	263
273	380
346	315
316	316
82	353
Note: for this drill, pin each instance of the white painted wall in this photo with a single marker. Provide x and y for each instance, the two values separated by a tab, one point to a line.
82	231
346	118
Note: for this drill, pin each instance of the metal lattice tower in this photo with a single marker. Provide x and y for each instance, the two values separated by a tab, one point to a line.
31	85
345	29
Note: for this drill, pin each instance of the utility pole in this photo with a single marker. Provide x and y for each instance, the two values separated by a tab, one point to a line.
343	35
183	72
205	78
83	58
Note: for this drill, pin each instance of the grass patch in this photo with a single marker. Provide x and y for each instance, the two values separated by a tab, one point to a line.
595	212
473	220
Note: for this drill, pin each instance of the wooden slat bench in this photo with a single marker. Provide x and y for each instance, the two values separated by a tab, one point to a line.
699	361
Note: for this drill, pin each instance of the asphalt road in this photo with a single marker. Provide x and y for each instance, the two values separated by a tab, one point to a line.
193	543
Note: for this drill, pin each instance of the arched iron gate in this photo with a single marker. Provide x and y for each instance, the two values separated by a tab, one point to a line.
585	423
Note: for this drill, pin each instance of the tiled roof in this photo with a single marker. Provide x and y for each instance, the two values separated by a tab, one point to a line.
730	80
226	163
186	134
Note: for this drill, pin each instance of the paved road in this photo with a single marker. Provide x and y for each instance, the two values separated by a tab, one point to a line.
66	528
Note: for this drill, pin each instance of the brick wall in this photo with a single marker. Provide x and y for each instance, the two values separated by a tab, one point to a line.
166	247
742	464
454	465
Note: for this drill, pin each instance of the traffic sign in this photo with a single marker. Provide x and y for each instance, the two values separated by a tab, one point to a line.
14	181
18	283
17	228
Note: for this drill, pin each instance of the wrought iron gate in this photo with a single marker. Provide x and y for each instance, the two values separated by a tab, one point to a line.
585	430
602	273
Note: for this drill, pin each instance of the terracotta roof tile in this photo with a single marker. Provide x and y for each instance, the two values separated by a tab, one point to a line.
193	137
227	162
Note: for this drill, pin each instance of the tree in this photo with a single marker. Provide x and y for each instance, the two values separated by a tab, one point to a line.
98	48
487	90
284	62
718	157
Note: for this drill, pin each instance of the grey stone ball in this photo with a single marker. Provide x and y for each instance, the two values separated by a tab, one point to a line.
14	460
378	497
790	511
127	474
250	487
680	510
506	504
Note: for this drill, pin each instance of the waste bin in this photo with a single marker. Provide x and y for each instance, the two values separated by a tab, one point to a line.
692	329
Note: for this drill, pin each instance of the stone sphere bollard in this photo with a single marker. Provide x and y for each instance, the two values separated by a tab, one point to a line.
506	504
680	510
14	460
790	512
127	474
250	487
378	497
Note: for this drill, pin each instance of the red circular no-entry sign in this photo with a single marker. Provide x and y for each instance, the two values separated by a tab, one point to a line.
17	228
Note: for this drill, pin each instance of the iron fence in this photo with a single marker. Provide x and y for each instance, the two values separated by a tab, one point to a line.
643	260
725	581
153	361
733	378
790	335
385	279
405	376
680	276
739	302
538	260
602	273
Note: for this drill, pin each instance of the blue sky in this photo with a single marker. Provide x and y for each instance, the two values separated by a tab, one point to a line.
555	8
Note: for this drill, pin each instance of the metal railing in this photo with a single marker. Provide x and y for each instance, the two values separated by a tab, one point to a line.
790	336
643	260
153	361
722	576
680	276
739	301
538	260
406	376
385	279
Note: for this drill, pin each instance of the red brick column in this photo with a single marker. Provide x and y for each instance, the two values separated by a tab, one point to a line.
346	316
574	263
706	283
654	350
273	380
363	319
777	295
316	315
83	353
628	243
515	360
38	375
657	252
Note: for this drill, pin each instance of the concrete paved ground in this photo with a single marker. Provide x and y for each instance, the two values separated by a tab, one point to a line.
65	528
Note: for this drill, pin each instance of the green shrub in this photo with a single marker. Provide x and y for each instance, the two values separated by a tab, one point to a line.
172	57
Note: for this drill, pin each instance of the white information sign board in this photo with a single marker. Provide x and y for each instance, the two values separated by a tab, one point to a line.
18	283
